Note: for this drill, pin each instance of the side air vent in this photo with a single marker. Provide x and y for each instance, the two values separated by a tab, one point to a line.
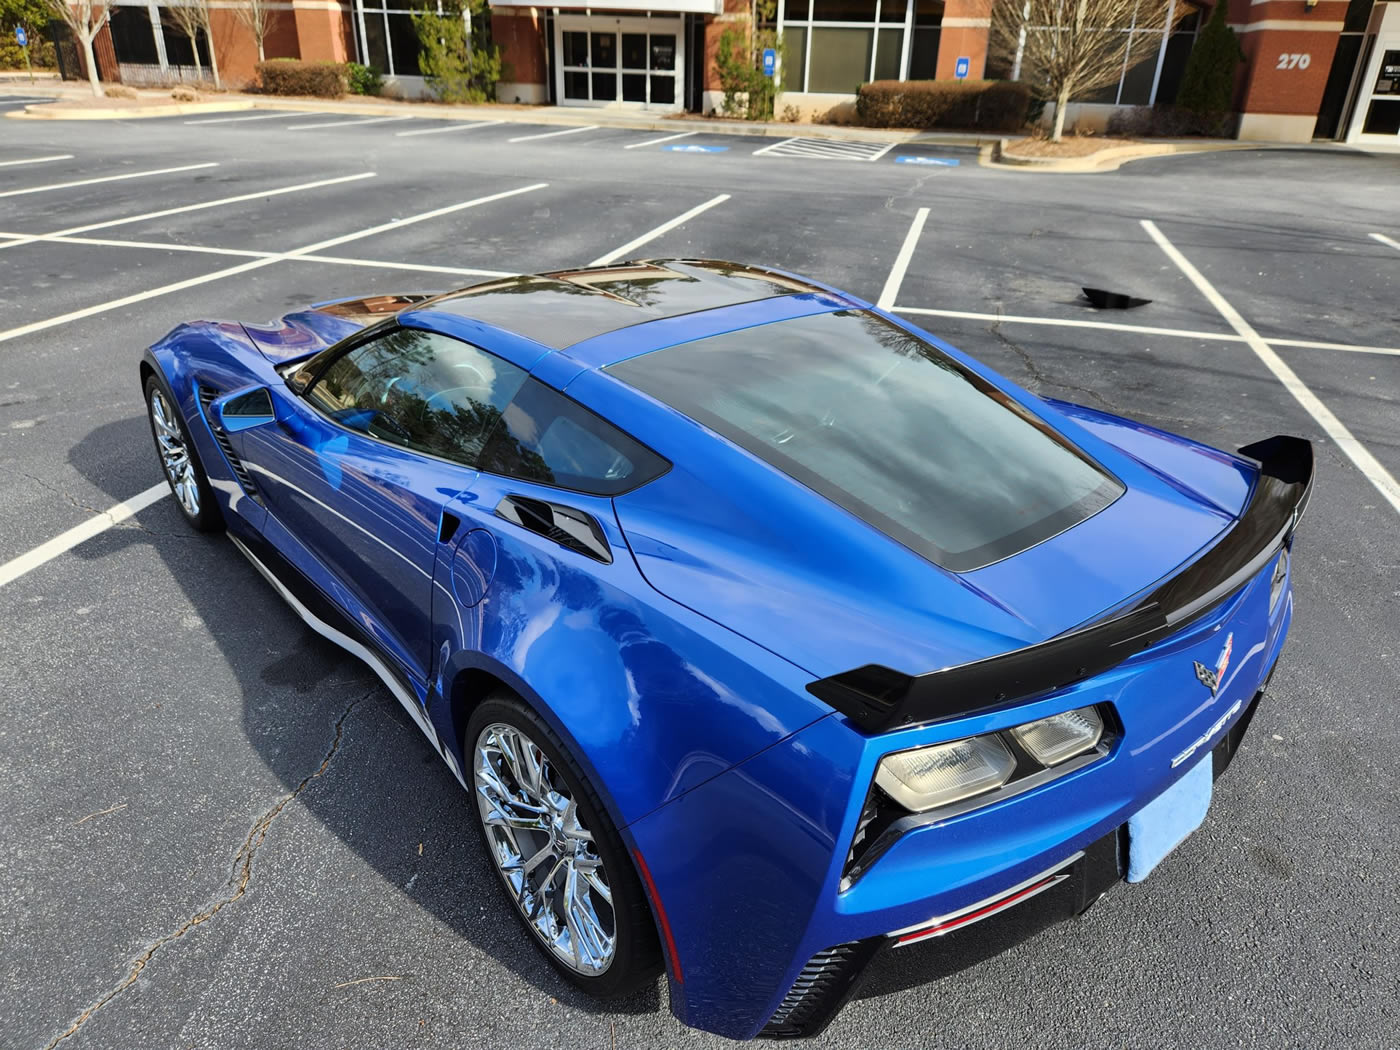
206	398
821	989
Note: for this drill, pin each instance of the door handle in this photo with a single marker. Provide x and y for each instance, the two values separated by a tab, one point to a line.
569	527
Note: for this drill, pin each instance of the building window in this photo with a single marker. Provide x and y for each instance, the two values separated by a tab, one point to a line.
388	40
837	45
1153	64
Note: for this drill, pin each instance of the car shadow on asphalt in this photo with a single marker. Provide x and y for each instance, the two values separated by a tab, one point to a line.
393	801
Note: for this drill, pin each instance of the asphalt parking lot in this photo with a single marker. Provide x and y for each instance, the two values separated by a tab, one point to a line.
216	830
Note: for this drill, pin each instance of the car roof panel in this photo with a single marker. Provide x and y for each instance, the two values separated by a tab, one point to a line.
567	307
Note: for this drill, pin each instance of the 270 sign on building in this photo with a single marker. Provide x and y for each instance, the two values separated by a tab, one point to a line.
1294	60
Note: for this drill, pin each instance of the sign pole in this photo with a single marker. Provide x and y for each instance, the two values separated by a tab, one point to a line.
22	39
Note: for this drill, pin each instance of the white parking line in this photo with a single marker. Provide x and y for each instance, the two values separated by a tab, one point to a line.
613	256
235	120
108	178
255	264
457	271
901	261
552	134
247	253
1139	329
663	138
1390	241
347	123
36	160
66	541
1369	466
23	101
259	195
450	127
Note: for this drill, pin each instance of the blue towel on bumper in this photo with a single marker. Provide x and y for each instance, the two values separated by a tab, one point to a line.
1163	824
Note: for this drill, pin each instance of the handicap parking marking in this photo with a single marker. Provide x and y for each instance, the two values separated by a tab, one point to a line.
691	147
909	158
825	149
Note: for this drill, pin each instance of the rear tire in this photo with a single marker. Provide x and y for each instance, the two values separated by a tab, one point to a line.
559	858
179	460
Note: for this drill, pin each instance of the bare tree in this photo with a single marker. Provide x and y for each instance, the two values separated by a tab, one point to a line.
257	17
192	18
85	18
1070	47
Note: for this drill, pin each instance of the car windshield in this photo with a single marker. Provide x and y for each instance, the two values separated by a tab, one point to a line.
888	427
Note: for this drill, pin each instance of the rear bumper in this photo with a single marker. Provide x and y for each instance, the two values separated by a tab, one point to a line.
947	944
751	866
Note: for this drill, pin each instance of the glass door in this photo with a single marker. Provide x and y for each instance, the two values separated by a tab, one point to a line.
632	63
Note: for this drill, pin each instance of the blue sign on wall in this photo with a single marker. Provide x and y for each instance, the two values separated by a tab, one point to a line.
770	61
961	69
21	38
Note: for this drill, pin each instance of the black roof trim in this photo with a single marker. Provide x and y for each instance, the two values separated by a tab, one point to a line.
561	308
877	698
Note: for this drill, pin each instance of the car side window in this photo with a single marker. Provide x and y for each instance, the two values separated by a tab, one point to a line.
421	390
547	438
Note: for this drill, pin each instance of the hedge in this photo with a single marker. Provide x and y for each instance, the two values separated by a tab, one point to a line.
41	54
291	76
1170	122
987	105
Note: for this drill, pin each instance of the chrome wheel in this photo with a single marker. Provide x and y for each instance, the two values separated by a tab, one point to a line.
542	849
174	455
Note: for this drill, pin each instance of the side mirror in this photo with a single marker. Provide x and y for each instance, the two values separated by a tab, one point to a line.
244	409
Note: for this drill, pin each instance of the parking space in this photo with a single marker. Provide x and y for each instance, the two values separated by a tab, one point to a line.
217	830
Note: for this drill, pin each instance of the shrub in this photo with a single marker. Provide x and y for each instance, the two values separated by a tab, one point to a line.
119	91
362	80
1208	85
182	93
987	105
748	93
1170	122
41	52
291	76
458	69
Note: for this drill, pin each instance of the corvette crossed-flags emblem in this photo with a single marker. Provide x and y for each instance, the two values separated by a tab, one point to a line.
1210	678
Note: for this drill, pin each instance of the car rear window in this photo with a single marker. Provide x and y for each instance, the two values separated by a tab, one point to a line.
888	427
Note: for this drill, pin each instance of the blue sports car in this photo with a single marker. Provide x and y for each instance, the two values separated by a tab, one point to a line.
767	632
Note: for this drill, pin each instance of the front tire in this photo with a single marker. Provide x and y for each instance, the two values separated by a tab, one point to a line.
558	856
179	460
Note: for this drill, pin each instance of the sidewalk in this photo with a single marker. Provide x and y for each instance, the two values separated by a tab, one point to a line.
76	102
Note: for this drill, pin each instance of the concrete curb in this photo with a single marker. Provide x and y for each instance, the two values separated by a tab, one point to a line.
45	111
1111	159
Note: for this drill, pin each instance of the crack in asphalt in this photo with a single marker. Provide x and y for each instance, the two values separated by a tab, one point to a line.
54	489
1039	378
130	524
239	878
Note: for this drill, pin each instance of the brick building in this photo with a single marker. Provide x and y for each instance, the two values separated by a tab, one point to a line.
1325	69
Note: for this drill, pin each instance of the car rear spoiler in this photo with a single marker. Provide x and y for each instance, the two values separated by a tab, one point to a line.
877	698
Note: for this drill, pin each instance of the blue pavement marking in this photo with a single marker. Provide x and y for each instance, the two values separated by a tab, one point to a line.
688	148
945	162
